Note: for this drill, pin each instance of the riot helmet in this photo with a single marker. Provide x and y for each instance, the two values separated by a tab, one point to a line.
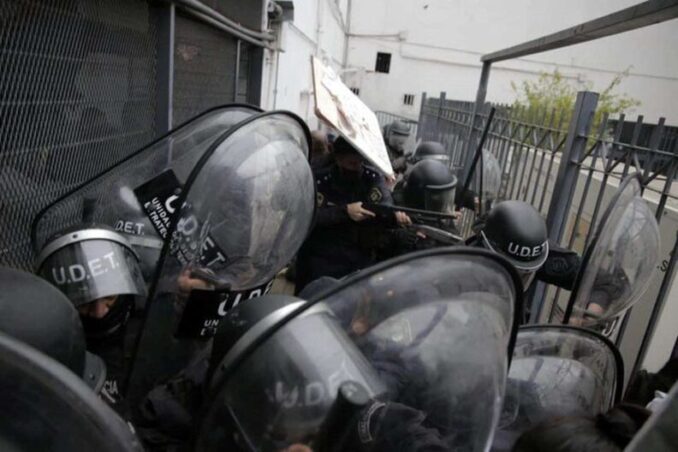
45	407
417	344
517	231
431	150
397	134
37	313
430	186
97	269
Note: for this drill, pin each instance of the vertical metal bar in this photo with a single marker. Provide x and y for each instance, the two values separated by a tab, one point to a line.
422	117
655	139
472	134
566	181
236	79
608	163
535	148
632	147
255	73
516	158
671	173
165	14
587	184
548	134
568	172
656	309
558	143
439	115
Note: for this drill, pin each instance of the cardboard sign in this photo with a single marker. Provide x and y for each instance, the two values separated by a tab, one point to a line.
343	110
159	199
205	308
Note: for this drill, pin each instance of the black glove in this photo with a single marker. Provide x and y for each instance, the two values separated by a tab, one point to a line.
392	427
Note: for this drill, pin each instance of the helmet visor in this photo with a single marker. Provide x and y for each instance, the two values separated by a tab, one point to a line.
397	141
293	381
437	200
91	269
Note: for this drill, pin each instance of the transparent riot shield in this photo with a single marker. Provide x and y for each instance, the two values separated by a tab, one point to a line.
116	198
484	190
243	213
557	371
413	350
659	432
46	407
618	264
490	183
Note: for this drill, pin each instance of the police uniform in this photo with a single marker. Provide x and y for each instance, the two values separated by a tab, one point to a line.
338	245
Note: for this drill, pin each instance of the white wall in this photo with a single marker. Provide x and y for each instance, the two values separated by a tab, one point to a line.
440	43
436	46
318	29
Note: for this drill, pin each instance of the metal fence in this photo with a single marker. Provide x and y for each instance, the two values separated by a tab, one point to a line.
83	84
567	164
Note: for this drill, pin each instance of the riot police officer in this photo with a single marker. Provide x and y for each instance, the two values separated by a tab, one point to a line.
429	186
517	230
344	236
36	313
430	150
98	270
395	136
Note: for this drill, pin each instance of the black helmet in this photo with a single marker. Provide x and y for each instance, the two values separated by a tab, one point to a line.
396	135
517	231
238	322
399	128
430	185
37	313
430	150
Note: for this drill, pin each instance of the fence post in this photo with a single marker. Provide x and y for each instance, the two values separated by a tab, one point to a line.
566	181
165	14
421	125
568	171
439	115
664	290
472	135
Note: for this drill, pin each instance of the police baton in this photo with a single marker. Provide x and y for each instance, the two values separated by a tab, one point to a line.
478	156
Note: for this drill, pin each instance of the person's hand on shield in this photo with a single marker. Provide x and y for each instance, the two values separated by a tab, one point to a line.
191	279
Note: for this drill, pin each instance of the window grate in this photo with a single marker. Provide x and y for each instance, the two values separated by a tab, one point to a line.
408	99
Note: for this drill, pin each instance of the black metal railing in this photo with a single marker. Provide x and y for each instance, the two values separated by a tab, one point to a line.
567	165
